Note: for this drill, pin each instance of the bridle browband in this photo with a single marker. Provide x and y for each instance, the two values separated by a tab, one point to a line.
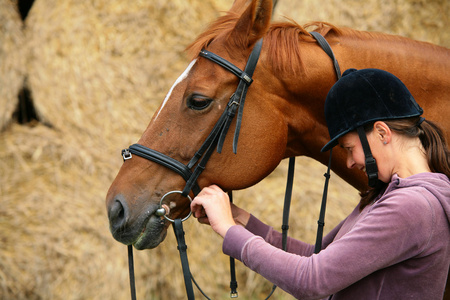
216	139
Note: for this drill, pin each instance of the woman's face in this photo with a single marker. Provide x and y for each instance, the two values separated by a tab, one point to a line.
355	153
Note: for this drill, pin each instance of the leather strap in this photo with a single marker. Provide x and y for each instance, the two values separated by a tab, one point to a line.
237	100
161	159
226	65
371	163
179	234
286	210
326	47
250	68
233	281
131	272
321	221
287	203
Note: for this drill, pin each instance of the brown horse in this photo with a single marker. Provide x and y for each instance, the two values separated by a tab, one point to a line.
283	115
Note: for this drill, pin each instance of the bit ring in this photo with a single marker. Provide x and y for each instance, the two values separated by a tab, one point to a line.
159	212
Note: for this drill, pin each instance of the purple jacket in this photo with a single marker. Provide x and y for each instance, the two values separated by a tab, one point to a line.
396	248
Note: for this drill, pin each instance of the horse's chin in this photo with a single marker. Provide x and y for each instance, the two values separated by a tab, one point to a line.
145	233
152	234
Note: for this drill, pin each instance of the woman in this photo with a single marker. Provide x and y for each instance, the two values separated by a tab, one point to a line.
396	243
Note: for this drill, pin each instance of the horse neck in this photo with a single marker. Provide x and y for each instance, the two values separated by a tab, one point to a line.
410	60
301	103
304	94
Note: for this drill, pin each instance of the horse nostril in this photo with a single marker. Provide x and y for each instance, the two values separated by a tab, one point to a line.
118	214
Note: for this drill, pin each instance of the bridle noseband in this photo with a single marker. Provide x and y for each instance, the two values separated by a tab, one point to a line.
218	133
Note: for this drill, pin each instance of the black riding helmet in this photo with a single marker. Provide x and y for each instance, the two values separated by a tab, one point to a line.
364	96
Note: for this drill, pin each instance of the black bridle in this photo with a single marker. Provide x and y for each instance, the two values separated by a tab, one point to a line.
218	133
216	139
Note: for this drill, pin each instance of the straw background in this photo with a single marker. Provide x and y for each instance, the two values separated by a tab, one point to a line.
97	71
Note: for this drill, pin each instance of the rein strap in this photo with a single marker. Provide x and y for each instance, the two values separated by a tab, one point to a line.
321	222
179	234
326	47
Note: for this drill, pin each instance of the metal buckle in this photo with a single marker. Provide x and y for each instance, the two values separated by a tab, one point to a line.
234	294
126	154
247	79
232	100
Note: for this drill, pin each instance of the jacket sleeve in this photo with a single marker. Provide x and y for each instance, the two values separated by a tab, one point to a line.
274	237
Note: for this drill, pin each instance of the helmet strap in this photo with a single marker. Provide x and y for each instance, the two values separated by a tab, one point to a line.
371	163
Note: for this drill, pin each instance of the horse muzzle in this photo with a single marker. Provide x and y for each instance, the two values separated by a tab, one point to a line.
145	231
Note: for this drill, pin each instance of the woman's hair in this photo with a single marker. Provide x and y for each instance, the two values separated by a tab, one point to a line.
433	141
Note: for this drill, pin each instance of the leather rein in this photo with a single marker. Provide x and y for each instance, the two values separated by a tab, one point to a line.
214	140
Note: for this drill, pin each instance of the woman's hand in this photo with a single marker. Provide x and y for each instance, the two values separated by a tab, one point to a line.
212	206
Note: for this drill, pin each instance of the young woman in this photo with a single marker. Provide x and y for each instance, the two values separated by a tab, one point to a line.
396	243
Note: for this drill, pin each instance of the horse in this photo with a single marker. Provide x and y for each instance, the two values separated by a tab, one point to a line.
283	115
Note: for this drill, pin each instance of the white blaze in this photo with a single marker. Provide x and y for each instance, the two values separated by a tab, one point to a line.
180	79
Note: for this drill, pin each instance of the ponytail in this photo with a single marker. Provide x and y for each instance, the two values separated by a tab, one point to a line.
435	145
433	141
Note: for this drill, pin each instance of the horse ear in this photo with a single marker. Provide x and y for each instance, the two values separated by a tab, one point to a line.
239	6
253	22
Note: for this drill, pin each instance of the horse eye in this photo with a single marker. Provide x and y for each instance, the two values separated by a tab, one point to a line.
197	102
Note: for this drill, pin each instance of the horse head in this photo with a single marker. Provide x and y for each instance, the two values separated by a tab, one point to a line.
183	122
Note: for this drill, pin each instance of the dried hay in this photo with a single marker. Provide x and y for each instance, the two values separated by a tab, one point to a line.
424	20
12	61
97	71
103	57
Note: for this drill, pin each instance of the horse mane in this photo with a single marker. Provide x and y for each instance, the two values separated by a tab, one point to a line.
282	40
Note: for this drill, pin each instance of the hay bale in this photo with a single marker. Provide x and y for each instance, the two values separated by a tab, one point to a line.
12	60
417	19
54	237
92	63
97	71
91	67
